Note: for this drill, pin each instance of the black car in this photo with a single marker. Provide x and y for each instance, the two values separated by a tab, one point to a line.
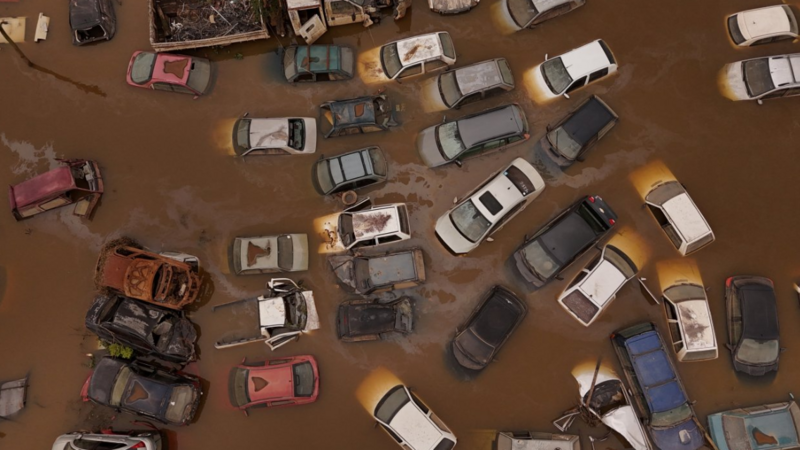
356	116
91	21
753	336
143	389
559	243
488	328
568	140
147	328
370	320
351	171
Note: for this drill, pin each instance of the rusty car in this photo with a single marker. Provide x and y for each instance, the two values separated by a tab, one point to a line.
77	181
363	320
92	21
286	381
378	273
356	116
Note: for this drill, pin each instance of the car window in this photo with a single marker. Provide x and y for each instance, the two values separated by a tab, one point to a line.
142	69
448	88
89	444
671	417
521	11
469	221
599	74
303	377
792	92
563	143
371	128
557	11
539	260
119	386
378	161
392	238
304	77
519	180
447	45
161	86
297	133
733	29
285	252
390	60
419	403
757	76
556	75
758	352
410	71
578	83
490	203
505	72
431	66
449	140
391	404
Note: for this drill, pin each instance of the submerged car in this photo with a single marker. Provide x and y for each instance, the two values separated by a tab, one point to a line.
689	318
473	135
762	25
318	63
679	217
557	244
531	13
364	225
451	6
143	389
658	391
169	72
372	274
148	329
92	21
575	69
370	320
468	84
573	136
596	286
270	254
275	382
531	440
78	440
276	136
354	170
489	326
411	423
489	207
417	55
774	426
356	116
13	397
764	78
753	334
77	182
167	279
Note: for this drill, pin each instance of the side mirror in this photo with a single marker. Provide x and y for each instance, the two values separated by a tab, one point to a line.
458	162
545	56
760	102
566	95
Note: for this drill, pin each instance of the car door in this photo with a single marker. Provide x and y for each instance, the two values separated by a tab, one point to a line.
282	338
598	74
580	82
161	87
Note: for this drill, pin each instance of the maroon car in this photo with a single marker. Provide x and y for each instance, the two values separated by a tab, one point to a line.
78	181
276	382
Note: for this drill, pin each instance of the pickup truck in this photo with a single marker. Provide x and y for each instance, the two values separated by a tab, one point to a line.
369	274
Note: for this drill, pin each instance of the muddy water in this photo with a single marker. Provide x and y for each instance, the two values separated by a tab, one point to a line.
171	185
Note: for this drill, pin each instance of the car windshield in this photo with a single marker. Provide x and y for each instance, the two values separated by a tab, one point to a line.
242	131
378	162
563	142
285	252
445	444
505	72
346	232
142	69
296	310
733	29
391	403
671	417
757	77
180	399
390	60
448	87
556	75
297	133
119	386
449	140
522	12
303	375
199	76
539	260
289	67
469	221
324	176
758	352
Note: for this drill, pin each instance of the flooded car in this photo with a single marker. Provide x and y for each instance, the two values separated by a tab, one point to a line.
77	181
469	84
275	136
356	116
370	320
144	440
486	209
473	135
148	329
169	72
364	225
92	21
753	334
286	381
764	77
691	329
13	397
679	217
411	423
451	6
270	254
775	426
531	13
372	274
531	440
561	241
487	329
575	69
762	25
417	55
143	390
573	136
350	171
596	286
309	63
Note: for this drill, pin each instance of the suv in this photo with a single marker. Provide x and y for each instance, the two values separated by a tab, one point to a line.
354	170
763	78
364	225
489	207
679	217
568	140
762	25
530	13
318	63
487	131
411	423
417	55
575	69
356	116
689	321
458	87
753	332
283	136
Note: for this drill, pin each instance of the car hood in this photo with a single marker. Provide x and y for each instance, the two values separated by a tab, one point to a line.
427	148
734	82
181	341
684	436
451	237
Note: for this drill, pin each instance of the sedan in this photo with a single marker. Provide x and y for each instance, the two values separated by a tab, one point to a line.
276	382
169	72
763	78
276	136
753	335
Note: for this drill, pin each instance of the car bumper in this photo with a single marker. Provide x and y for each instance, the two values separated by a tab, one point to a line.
464	360
523	270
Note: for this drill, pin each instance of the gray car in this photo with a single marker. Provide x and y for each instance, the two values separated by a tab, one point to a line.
143	440
530	13
474	82
351	171
473	135
270	254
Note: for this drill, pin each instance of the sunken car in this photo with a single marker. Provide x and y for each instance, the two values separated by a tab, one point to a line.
350	171
775	426
575	69
92	21
370	320
77	181
468	84
573	136
364	225
691	329
276	382
144	390
356	116
679	217
270	254
753	333
531	13
762	25
417	55
170	73
166	279
411	423
372	274
143	440
275	136
148	329
308	63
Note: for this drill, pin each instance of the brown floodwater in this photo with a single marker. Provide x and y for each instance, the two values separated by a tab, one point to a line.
171	185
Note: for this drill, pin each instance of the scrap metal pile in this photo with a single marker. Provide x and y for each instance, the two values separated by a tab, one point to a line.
201	19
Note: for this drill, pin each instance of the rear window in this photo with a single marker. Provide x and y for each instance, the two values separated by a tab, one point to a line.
285	252
242	136
757	76
505	72
391	403
556	75
490	203
733	29
390	60
445	444
143	66
520	180
447	45
303	379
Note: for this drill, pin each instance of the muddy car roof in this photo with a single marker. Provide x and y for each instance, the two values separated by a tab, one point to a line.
419	48
318	58
785	69
477	77
102	381
355	111
759	312
494	123
695	322
588	120
43	186
376	221
763	21
272	133
84	13
147	395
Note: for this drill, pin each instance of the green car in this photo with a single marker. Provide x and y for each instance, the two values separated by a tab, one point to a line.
318	63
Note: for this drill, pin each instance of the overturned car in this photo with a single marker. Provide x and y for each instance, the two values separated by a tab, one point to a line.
368	274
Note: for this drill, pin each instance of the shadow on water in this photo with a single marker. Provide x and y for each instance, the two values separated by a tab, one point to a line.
3	283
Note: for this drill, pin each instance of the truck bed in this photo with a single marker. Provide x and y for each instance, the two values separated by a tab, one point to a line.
392	269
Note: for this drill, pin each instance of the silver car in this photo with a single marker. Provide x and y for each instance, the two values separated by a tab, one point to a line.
142	440
270	254
474	82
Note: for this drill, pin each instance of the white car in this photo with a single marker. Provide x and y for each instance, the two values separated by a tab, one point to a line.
691	329
764	78
283	136
364	225
490	206
411	423
679	217
762	25
574	69
532	13
142	440
595	287
417	55
270	254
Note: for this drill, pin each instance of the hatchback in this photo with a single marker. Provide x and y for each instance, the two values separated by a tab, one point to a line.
318	63
277	136
270	254
356	116
573	136
169	72
531	13
575	69
764	78
364	225
411	423
458	87
753	332
679	217
762	25
289	381
354	170
417	55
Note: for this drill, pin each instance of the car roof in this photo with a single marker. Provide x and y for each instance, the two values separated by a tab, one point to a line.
172	68
602	283
477	77
568	237
147	394
760	22
355	111
136	317
778	419
84	14
302	4
415	427
759	311
655	372
350	166
419	48
102	381
785	69
694	319
497	318
270	133
687	218
266	248
318	58
270	382
379	220
545	5
43	186
588	120
502	190
585	59
490	124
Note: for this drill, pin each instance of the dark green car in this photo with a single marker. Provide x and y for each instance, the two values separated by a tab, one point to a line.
318	63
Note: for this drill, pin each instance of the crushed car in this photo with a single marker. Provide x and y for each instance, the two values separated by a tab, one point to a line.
275	136
144	390
309	63
276	318
364	225
573	136
531	13
276	382
365	275
762	25
417	55
144	440
370	320
444	7
532	440
475	82
170	73
310	19
167	279
753	332
774	426
92	21
354	170
411	423
13	397
356	116
679	217
575	69
691	329
148	329
270	254
77	181
763	78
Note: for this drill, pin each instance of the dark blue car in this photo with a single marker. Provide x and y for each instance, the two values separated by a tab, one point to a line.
657	390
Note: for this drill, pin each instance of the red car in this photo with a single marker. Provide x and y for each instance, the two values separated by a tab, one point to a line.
77	182
167	72
276	382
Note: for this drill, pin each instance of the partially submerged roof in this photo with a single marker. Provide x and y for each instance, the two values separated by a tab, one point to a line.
785	70
686	217
146	394
501	190
357	110
415	427
350	166
602	283
269	133
568	237
772	426
584	60
477	77
318	58
264	383
763	22
43	186
419	48
84	13
587	121
496	318
172	68
483	126
258	252
392	268
694	319
376	221
759	312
